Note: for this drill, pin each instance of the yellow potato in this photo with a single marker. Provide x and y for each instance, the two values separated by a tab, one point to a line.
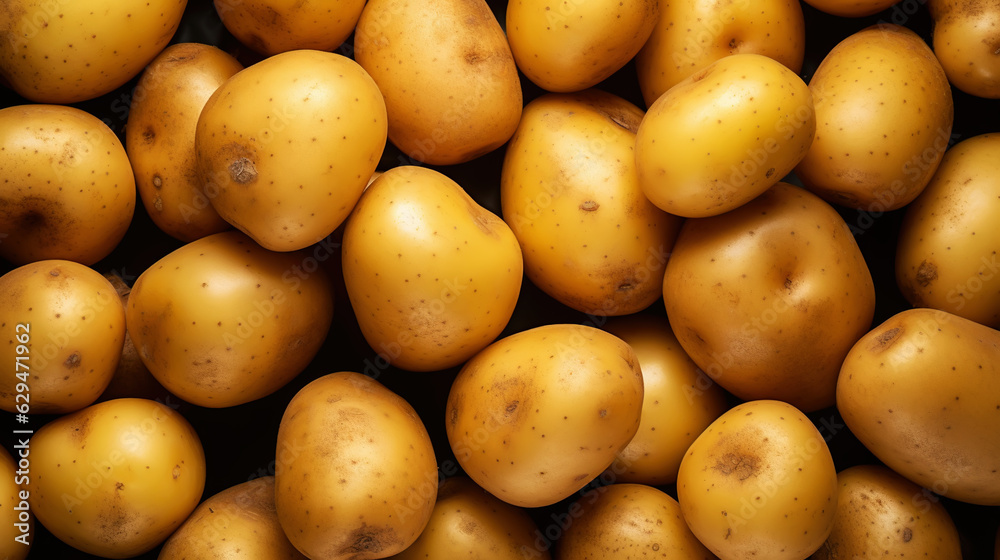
274	26
432	276
851	8
116	478
160	133
723	135
575	44
759	482
286	146
946	253
18	523
537	415
450	83
966	40
358	477
63	52
568	187
769	298
920	392
691	34
884	113
66	328
68	191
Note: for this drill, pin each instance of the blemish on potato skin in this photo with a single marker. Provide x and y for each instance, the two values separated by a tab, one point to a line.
885	340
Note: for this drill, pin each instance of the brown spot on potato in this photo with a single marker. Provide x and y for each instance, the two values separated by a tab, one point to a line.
926	273
739	465
907	534
368	542
883	341
73	361
589	205
148	135
243	171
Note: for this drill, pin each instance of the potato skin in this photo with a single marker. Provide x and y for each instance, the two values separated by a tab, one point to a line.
922	360
851	8
275	26
966	39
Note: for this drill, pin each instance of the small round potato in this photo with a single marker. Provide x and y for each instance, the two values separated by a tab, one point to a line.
18	532
275	26
967	42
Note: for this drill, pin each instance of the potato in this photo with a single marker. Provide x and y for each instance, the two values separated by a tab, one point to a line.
576	44
920	391
160	133
63	52
116	478
536	415
65	327
432	276
966	41
882	515
723	135
358	477
18	523
239	522
625	521
275	26
946	253
68	191
568	187
286	146
469	523
769	298
884	114
851	8
221	322
449	103
759	482
679	401
692	34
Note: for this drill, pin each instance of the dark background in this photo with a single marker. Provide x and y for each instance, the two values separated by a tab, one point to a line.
239	442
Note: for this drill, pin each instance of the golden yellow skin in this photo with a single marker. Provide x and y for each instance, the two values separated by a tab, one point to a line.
17	521
275	26
724	135
966	42
679	401
923	360
769	298
221	321
851	8
74	329
160	134
537	415
882	515
946	253
64	52
575	44
117	478
569	191
884	114
759	483
68	189
238	523
691	34
449	103
432	276
356	477
286	146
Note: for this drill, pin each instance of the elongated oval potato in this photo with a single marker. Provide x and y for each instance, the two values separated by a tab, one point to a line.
967	43
569	191
275	26
358	478
691	34
286	146
723	135
922	392
18	531
851	8
884	114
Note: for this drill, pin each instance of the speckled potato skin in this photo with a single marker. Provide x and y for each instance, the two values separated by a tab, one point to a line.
432	276
451	103
882	515
537	415
884	114
15	511
238	522
74	331
221	321
64	52
67	191
626	521
723	135
851	8
356	478
966	40
160	133
569	191
286	146
275	26
769	298
573	45
948	245
691	34
759	482
116	478
922	360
